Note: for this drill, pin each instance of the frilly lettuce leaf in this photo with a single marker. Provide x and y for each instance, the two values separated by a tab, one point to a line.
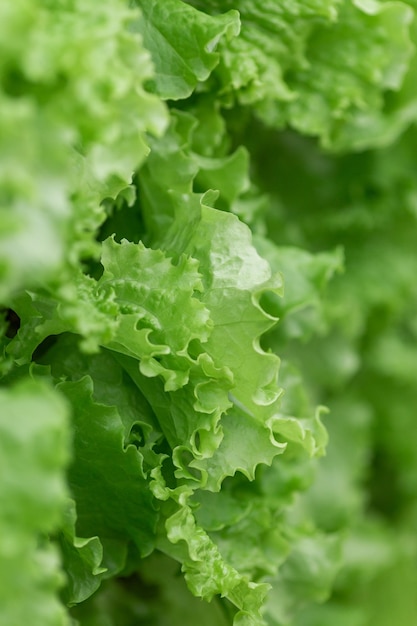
73	117
186	453
91	559
96	385
322	68
234	277
117	505
182	42
235	282
160	313
272	42
220	422
361	69
75	307
207	573
189	417
231	269
257	444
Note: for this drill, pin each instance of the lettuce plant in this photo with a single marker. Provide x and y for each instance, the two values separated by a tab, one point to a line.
208	313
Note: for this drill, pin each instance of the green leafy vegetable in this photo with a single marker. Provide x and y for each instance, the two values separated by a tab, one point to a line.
208	313
34	447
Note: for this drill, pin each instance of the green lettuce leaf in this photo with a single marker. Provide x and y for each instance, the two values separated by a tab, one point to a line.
110	488
34	453
160	313
207	573
73	113
182	42
157	585
81	559
301	309
161	267
321	67
353	69
75	307
365	203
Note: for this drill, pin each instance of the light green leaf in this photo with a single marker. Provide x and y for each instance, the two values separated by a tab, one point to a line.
246	443
309	433
160	312
189	417
34	453
320	67
182	42
75	307
73	118
207	574
234	277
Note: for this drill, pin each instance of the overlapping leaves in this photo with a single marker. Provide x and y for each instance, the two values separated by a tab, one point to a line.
163	349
